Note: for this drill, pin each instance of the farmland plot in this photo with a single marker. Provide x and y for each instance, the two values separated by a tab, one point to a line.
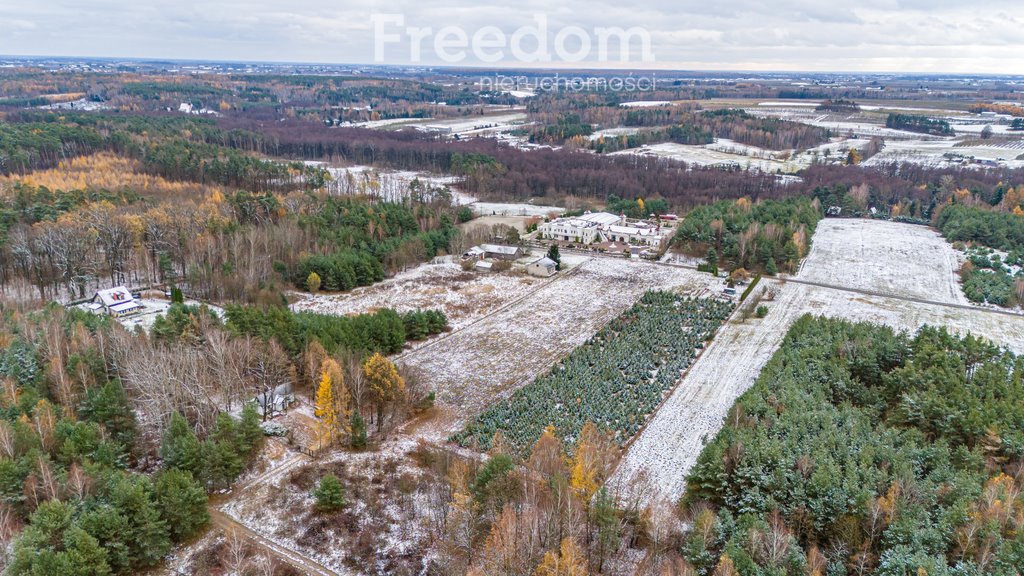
479	365
665	451
886	257
614	380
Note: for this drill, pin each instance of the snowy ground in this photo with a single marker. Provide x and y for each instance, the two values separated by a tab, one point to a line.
714	155
725	152
506	209
475	124
463	296
949	153
383	529
472	368
154	307
885	257
661	456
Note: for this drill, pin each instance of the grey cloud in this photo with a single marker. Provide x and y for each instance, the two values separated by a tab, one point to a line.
911	35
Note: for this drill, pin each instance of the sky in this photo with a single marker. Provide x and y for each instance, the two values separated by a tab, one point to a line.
927	36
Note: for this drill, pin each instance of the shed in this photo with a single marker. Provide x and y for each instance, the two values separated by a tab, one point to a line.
544	267
499	252
484	266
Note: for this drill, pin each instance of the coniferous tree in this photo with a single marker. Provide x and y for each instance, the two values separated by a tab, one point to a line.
358	441
330	494
249	431
182	503
180	447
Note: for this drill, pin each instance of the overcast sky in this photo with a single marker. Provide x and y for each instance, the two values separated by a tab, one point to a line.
985	36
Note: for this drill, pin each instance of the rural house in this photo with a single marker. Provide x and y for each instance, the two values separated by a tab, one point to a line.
116	301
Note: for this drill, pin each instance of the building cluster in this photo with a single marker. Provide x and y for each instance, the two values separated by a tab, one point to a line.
484	257
597	228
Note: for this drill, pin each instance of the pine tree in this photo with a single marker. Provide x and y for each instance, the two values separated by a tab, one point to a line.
606	521
330	494
554	256
180	447
149	539
326	410
249	431
358	441
181	502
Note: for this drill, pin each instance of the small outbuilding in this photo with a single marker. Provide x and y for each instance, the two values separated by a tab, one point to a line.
117	301
499	252
483	266
543	268
277	399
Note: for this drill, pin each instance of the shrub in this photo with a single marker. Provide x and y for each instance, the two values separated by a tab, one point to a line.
761	311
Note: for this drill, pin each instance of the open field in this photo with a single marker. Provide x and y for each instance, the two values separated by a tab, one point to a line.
490	123
667	448
885	257
472	368
462	296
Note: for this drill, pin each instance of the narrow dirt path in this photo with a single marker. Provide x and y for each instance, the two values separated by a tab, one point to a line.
303	564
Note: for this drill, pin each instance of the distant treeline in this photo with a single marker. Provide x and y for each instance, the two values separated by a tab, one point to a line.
921	124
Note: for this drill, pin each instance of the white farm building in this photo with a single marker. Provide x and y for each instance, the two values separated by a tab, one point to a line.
594	227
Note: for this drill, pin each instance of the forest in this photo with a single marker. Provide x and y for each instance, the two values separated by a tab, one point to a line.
769	236
864	451
922	124
76	461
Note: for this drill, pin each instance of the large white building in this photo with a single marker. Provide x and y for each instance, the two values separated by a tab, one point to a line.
595	227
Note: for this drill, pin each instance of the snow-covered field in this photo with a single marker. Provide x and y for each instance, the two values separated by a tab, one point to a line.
612	132
472	368
475	124
948	153
725	152
885	257
717	154
661	456
462	296
645	104
506	209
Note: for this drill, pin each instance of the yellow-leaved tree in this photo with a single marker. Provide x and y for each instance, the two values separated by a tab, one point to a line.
341	396
326	410
589	462
568	561
384	383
